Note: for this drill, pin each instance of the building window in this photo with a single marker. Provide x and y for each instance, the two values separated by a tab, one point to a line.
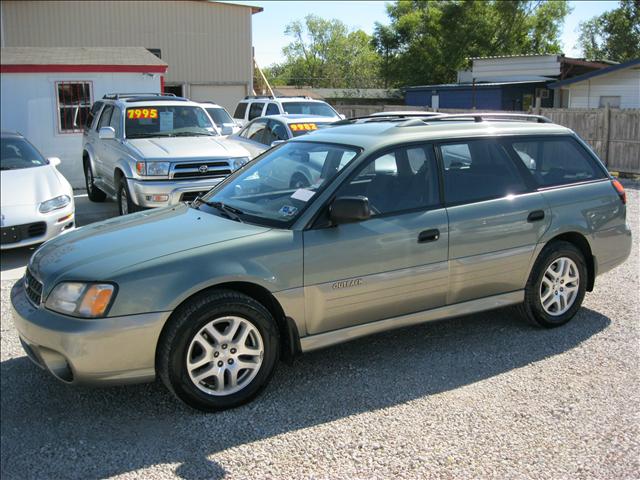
74	104
612	101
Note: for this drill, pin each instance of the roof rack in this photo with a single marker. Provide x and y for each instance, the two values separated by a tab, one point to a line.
390	117
249	97
117	96
481	117
271	97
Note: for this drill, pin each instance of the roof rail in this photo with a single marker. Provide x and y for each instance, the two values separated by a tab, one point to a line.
249	97
117	96
481	117
389	117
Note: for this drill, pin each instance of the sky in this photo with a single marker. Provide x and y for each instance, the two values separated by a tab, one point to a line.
269	25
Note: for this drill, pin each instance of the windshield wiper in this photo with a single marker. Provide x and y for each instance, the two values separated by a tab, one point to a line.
148	135
193	134
231	212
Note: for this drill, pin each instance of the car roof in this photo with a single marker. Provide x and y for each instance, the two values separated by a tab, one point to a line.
210	105
280	99
386	133
10	134
150	101
300	118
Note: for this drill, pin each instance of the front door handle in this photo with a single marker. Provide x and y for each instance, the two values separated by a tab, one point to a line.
535	216
429	236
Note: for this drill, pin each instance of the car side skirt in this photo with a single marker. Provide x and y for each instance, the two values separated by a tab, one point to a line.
327	339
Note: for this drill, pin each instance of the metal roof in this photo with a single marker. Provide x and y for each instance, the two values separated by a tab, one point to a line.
123	56
596	73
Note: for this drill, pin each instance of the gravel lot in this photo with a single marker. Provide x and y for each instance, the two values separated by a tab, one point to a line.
480	396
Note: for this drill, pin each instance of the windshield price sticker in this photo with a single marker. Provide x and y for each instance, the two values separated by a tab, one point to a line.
137	113
303	194
299	127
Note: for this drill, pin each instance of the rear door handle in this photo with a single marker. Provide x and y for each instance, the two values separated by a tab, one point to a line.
429	236
535	216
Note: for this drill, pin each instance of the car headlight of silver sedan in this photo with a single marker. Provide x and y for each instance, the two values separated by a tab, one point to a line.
240	162
79	299
54	204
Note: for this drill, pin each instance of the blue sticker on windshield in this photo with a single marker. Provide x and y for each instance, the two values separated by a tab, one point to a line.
288	211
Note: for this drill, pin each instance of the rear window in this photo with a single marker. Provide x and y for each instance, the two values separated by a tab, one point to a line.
557	161
308	108
240	110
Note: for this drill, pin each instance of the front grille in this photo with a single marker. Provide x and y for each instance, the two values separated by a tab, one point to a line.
206	169
33	288
17	233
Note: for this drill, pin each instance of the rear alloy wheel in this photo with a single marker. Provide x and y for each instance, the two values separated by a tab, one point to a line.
218	351
556	286
93	192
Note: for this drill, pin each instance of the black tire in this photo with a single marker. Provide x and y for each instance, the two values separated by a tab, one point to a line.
124	198
93	192
532	308
187	321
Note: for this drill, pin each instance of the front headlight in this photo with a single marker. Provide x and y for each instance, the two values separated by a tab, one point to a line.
88	300
54	204
240	162
157	169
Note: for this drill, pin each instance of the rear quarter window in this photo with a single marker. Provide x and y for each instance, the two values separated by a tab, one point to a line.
240	110
557	161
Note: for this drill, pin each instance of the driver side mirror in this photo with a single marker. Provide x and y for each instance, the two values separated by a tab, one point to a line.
107	133
349	210
226	129
55	161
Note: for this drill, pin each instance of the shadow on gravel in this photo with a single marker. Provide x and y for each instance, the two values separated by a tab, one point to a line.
51	430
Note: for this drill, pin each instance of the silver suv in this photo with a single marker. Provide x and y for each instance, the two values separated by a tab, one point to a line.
402	222
253	106
149	150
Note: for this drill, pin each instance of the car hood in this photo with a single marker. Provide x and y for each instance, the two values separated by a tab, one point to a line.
30	186
97	251
171	148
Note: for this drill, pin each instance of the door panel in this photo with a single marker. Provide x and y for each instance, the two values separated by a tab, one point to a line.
491	243
363	272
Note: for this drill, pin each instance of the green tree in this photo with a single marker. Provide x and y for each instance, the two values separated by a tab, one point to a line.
614	35
326	53
427	42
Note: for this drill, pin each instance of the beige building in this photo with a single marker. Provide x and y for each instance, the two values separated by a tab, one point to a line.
207	45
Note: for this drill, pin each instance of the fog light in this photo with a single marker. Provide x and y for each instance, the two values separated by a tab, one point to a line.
157	198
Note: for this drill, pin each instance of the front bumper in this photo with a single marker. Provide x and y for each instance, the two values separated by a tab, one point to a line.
57	222
112	350
142	190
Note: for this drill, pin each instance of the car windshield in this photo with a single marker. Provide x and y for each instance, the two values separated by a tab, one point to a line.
309	108
17	153
219	116
275	188
167	121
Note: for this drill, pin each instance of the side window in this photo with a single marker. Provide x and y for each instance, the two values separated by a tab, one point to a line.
255	110
255	131
95	108
116	121
477	170
275	131
105	117
272	109
557	161
241	109
403	179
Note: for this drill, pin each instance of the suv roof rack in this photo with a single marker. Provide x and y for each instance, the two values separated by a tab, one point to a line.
156	99
117	96
481	117
271	97
389	117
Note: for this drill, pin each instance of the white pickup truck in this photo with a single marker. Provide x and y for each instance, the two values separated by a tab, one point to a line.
150	150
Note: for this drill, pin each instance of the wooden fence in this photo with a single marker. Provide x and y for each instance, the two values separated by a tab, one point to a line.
614	134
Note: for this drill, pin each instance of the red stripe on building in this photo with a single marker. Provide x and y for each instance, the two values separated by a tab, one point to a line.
83	68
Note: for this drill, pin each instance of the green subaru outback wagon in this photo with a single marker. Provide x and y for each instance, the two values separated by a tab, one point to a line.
398	221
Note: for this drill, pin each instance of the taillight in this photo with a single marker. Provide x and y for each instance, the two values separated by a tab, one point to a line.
620	189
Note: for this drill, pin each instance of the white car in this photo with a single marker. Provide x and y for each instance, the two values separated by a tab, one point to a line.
37	201
222	119
253	106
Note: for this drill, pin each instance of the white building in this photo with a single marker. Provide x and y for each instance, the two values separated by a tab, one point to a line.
46	93
617	86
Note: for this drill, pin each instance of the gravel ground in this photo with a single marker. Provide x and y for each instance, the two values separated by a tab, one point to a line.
480	396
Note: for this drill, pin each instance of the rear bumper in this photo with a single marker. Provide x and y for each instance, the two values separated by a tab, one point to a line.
142	191
111	350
